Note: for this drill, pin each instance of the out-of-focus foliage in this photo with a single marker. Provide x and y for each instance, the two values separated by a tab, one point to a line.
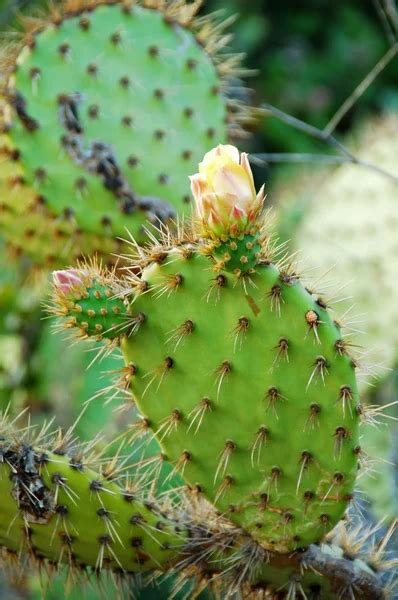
310	54
380	483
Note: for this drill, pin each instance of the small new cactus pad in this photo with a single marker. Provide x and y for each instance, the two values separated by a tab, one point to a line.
109	105
93	307
240	371
350	219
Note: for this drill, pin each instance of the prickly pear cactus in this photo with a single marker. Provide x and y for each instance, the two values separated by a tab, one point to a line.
241	372
350	220
66	511
103	102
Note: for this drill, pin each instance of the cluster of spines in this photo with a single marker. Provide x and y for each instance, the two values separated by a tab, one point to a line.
346	566
95	308
66	508
164	243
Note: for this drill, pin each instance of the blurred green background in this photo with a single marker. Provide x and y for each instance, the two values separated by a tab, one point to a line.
310	54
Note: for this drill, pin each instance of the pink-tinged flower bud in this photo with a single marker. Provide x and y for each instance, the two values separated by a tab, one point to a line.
225	196
67	280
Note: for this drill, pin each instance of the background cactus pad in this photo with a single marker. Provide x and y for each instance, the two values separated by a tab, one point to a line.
109	107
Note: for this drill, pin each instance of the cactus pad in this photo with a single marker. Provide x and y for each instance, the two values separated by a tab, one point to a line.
249	396
245	379
104	102
94	305
61	509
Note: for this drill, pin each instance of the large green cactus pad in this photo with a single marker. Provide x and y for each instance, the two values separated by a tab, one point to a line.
111	108
250	392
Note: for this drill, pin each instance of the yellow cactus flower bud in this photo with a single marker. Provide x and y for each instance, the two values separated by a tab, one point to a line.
224	192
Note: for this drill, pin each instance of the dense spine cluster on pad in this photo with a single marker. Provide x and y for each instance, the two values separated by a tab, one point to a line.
63	510
102	102
241	373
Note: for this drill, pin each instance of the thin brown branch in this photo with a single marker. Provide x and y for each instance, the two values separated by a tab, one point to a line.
296	157
392	13
343	575
361	89
305	128
328	139
385	21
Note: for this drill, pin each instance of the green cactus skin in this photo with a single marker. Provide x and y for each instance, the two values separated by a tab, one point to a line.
104	101
61	511
264	421
65	511
30	228
286	485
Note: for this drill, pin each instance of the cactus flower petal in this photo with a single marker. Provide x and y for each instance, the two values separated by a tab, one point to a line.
67	279
224	192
